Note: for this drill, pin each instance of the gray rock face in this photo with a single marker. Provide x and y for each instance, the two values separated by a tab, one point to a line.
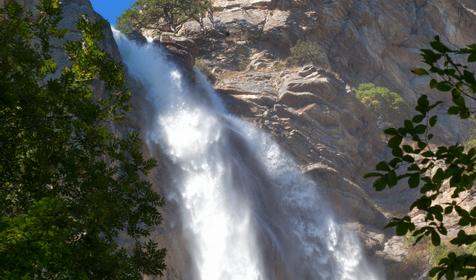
311	110
182	50
326	129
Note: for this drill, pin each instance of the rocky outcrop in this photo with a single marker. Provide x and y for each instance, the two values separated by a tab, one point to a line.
325	128
362	41
181	49
311	110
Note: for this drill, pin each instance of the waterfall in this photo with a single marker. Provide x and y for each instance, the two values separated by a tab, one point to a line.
246	210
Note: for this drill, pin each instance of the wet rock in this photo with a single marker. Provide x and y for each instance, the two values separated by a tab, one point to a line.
137	37
182	50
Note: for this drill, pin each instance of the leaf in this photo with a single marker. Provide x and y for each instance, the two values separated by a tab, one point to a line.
428	154
472	57
429	56
422	145
382	166
464	114
418	118
434	271
390	131
422	203
380	184
401	229
408	158
461	239
392	179
433	120
397	152
443	230
395	141
450	274
473	212
437	45
420	129
448	210
420	72
435	238
464	221
407	148
458	99
414	180
423	101
469	77
444	86
453	110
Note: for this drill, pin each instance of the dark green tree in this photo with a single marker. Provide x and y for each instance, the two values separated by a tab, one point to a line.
434	168
164	15
71	185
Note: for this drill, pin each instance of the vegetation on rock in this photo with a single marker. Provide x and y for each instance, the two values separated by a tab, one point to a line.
388	106
163	15
70	188
438	253
435	169
304	52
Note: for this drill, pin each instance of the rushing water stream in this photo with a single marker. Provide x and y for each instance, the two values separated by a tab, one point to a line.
247	212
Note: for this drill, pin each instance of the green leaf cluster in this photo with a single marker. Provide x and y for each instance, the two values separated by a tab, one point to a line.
163	15
388	106
432	168
438	253
71	185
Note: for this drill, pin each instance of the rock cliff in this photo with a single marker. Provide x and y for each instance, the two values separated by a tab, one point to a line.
311	109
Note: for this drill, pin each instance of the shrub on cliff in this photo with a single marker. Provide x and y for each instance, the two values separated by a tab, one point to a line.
389	107
163	15
69	186
304	52
436	169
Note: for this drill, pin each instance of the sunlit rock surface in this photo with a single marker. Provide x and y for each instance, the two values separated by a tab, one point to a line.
310	110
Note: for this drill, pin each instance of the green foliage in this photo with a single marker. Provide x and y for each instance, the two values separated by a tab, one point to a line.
471	143
69	186
388	106
163	15
304	52
431	168
438	253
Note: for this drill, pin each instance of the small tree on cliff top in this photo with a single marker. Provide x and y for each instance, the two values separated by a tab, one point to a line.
163	15
69	187
435	168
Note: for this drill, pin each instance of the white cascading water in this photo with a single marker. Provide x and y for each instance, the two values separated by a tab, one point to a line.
247	212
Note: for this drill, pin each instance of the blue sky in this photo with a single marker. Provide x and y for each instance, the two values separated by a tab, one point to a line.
111	9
